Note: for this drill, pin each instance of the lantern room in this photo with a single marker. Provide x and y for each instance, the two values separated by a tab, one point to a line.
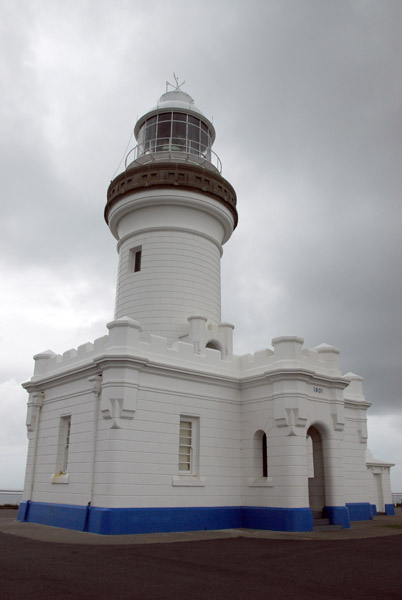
175	129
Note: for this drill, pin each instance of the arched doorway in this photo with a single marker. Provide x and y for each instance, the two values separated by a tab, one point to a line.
316	476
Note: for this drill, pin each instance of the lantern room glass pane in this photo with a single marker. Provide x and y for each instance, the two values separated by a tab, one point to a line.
179	130
150	135
164	130
204	142
163	136
165	116
194	139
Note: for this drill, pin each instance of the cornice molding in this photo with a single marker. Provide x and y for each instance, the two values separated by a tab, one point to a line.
172	174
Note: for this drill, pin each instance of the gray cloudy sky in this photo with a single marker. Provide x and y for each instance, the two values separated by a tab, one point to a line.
305	96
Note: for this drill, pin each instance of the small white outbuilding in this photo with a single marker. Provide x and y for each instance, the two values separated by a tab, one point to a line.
158	426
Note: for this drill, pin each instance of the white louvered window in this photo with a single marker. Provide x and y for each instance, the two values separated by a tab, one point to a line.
188	445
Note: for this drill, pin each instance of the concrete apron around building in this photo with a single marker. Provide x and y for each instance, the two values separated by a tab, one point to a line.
379	526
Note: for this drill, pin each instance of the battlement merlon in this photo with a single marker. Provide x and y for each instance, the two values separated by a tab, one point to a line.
126	339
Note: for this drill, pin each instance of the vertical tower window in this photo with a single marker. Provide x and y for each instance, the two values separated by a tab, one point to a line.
135	259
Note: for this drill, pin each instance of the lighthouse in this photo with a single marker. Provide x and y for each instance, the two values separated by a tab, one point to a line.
171	212
158	426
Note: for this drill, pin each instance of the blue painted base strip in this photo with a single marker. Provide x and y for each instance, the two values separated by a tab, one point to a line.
390	509
373	510
360	511
114	521
277	519
67	516
337	515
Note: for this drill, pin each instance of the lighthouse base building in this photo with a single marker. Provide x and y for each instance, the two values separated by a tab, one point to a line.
158	426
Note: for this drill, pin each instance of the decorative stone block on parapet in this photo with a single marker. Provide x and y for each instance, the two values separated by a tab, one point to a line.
41	361
226	330
354	398
216	337
329	355
354	390
124	333
288	351
196	332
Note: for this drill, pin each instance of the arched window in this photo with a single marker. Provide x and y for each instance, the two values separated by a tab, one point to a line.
214	345
264	456
260	454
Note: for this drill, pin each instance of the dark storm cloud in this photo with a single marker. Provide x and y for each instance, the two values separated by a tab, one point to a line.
324	136
306	100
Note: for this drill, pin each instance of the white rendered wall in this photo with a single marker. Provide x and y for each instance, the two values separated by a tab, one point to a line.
355	441
137	465
144	387
354	449
181	236
179	277
378	476
69	399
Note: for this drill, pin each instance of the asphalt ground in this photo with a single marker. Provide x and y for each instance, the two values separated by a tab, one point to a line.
45	562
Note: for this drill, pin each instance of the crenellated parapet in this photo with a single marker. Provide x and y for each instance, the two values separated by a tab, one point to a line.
206	349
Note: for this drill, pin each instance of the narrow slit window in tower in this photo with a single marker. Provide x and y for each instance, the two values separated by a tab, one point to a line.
135	259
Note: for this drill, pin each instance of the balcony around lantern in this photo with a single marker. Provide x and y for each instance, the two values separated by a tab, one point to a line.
173	150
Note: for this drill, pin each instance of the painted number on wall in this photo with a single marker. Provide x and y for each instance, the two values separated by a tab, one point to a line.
318	390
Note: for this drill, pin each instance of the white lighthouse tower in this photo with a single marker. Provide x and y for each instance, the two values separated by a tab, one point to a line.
157	426
171	212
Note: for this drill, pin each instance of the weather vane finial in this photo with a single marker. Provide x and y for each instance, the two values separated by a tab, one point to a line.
176	87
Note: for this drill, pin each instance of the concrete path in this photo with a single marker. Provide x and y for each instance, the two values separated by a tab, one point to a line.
380	526
41	563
